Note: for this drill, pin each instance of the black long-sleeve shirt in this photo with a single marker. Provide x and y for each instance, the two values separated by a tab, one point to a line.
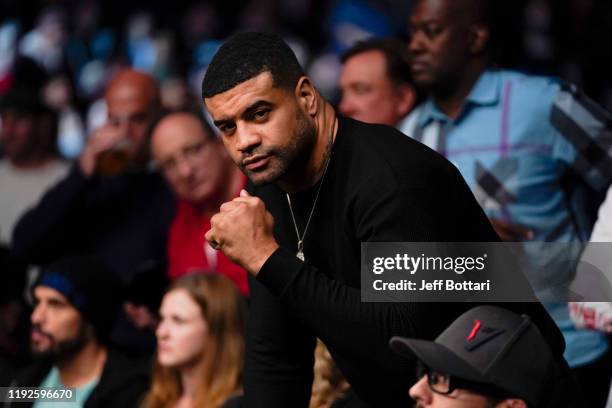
123	219
380	186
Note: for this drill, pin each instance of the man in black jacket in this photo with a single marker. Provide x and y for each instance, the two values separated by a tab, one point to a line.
76	301
120	212
321	185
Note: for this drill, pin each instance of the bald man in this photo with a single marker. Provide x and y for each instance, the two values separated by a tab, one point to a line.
124	217
200	172
132	99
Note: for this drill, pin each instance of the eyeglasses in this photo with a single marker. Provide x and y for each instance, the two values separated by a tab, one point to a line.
445	384
190	154
438	382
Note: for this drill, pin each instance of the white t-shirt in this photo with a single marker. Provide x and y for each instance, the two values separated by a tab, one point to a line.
20	189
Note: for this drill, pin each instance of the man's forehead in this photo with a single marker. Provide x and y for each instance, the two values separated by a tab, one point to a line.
178	130
49	293
366	62
234	101
447	11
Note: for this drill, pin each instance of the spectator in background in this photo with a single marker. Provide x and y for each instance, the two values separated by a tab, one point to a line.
199	170
200	344
110	203
76	301
28	131
375	82
488	358
529	159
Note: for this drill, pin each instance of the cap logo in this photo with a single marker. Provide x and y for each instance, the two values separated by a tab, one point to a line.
480	335
475	329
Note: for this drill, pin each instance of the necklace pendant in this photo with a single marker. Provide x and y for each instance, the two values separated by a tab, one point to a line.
300	255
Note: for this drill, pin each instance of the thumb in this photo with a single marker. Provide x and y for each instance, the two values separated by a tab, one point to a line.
244	193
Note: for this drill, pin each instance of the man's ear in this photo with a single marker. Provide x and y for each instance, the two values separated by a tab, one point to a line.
306	95
406	100
479	38
512	403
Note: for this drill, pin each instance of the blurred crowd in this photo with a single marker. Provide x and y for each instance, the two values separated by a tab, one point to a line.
110	165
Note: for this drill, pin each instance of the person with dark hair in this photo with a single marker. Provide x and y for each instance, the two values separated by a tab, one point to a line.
76	302
319	186
202	175
111	203
375	82
29	160
534	151
488	358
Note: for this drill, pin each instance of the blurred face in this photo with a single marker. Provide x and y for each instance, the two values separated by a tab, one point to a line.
439	43
130	108
264	129
182	331
17	134
195	165
57	326
368	94
426	398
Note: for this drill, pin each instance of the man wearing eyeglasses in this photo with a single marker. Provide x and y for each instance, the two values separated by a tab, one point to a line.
488	358
198	169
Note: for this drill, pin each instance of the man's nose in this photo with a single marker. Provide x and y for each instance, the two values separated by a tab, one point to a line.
183	168
346	107
415	43
421	393
247	139
37	315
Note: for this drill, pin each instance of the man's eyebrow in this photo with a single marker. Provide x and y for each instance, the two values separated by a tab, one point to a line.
246	113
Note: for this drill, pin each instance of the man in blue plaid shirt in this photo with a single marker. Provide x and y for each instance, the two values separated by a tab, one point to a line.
532	150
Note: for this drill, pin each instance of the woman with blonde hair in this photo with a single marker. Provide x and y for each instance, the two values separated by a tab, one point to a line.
200	342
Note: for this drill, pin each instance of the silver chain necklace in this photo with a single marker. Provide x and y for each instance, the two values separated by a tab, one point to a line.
300	243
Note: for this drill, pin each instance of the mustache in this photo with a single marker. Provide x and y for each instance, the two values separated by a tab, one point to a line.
256	152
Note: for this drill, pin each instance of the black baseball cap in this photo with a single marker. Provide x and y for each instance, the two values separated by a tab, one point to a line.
491	346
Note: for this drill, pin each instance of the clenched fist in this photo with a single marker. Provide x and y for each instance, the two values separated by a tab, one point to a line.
243	230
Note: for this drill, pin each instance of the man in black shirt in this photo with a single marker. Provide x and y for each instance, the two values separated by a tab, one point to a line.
319	186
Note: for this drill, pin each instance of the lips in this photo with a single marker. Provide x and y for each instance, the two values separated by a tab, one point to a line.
419	66
163	348
256	162
37	336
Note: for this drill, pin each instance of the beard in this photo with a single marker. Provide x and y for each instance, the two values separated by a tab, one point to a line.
290	158
65	349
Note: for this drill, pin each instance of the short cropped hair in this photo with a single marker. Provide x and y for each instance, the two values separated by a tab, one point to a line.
396	57
244	56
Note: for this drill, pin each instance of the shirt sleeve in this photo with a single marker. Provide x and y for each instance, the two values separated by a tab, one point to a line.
582	136
279	358
279	354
